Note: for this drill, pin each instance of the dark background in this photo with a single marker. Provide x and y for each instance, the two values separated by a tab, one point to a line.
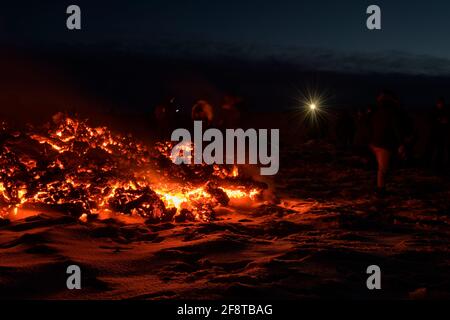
130	55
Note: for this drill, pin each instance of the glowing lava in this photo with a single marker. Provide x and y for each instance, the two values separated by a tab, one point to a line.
81	170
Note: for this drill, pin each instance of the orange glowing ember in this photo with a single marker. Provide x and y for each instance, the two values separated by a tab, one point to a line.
84	171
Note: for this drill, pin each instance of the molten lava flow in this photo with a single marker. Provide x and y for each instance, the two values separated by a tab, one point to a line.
84	171
240	194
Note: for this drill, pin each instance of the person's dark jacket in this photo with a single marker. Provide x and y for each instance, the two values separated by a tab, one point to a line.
387	126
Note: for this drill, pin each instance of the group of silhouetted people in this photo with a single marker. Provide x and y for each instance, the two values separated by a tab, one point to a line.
384	129
169	114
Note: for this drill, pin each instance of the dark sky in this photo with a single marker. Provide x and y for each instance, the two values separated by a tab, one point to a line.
327	40
415	33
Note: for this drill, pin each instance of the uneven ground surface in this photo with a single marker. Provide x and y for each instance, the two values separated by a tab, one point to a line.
317	243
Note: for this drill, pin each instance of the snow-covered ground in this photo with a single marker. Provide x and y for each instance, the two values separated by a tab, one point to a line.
316	243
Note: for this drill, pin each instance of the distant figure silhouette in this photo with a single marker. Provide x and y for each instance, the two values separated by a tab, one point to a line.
229	112
203	111
387	125
440	135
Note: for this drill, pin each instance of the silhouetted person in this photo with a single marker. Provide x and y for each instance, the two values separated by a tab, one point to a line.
387	127
203	111
229	113
440	134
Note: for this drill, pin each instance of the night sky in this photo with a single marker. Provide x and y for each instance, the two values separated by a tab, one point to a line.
325	32
130	54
